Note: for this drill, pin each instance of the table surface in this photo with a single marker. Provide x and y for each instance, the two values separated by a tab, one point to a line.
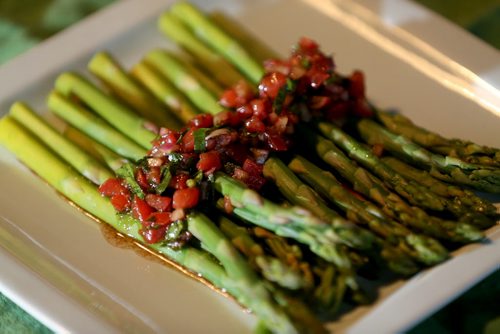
25	23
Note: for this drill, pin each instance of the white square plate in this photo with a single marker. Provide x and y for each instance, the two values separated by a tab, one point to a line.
57	264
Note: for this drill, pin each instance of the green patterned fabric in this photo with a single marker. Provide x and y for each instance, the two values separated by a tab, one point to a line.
24	23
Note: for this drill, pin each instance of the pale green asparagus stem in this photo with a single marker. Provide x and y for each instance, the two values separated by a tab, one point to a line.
272	268
106	68
218	40
184	80
210	60
300	194
252	292
117	114
80	191
85	164
94	127
164	91
100	152
253	45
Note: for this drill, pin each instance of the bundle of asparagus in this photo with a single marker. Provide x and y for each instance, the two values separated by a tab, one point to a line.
346	207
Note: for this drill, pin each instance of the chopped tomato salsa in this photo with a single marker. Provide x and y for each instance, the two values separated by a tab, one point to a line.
253	123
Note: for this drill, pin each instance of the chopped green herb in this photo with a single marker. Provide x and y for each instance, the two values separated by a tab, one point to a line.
166	176
127	172
199	135
175	157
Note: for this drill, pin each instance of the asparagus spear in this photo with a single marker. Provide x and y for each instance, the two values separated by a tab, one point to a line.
106	68
445	167
272	268
100	152
94	127
136	128
332	189
240	280
209	33
88	166
480	208
300	194
251	291
394	206
164	91
409	190
183	80
211	61
80	191
462	149
254	46
294	222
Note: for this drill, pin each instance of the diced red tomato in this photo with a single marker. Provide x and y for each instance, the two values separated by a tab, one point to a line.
255	182
271	84
112	187
202	121
160	203
252	168
186	198
357	86
255	125
179	181
276	142
226	117
159	219
120	202
209	162
142	179
260	108
153	235
229	99
140	209
308	46
188	141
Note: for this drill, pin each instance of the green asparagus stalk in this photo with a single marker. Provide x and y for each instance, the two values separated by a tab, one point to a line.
252	291
100	152
106	68
294	222
481	209
272	268
222	71
286	252
164	91
254	46
409	190
86	165
94	127
217	39
124	119
332	189
236	277
300	194
449	168
391	204
462	149
83	193
184	80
